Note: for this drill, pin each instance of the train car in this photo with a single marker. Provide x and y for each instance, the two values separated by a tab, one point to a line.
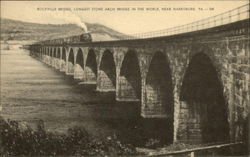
85	37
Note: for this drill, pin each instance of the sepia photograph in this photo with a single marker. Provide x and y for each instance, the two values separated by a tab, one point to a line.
125	78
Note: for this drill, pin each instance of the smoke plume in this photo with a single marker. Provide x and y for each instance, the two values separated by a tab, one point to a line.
77	20
70	17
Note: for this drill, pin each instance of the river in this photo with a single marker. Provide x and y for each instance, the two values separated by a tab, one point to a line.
33	91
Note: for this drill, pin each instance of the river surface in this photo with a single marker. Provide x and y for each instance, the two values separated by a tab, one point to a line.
32	90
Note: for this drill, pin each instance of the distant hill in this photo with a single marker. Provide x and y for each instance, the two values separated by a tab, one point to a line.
18	30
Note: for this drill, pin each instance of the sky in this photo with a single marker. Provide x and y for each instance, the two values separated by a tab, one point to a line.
132	21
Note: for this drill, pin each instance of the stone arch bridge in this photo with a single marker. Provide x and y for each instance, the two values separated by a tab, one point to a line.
198	80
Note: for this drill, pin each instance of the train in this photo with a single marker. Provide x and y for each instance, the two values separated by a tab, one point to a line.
85	37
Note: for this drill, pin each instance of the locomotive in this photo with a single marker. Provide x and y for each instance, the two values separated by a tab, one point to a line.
85	37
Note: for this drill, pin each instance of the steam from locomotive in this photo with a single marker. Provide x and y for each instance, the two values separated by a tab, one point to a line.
83	26
70	17
73	18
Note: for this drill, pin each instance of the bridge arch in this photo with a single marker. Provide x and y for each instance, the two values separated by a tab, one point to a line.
107	72
204	102
159	88
129	78
90	68
58	54
57	58
47	51
50	55
80	58
63	59
71	63
158	99
45	57
51	52
79	65
64	55
54	52
71	56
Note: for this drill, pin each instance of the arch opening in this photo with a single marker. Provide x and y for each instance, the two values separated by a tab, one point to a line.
159	99
48	51
58	55
50	55
91	68
130	79
64	54
71	62
51	52
54	53
78	70
80	59
202	99
107	73
43	54
63	60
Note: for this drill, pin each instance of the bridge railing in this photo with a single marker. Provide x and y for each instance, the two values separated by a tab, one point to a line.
234	15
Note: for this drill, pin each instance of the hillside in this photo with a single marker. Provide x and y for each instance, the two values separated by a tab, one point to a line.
18	30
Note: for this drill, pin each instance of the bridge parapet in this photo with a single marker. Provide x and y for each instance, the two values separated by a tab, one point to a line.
234	15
